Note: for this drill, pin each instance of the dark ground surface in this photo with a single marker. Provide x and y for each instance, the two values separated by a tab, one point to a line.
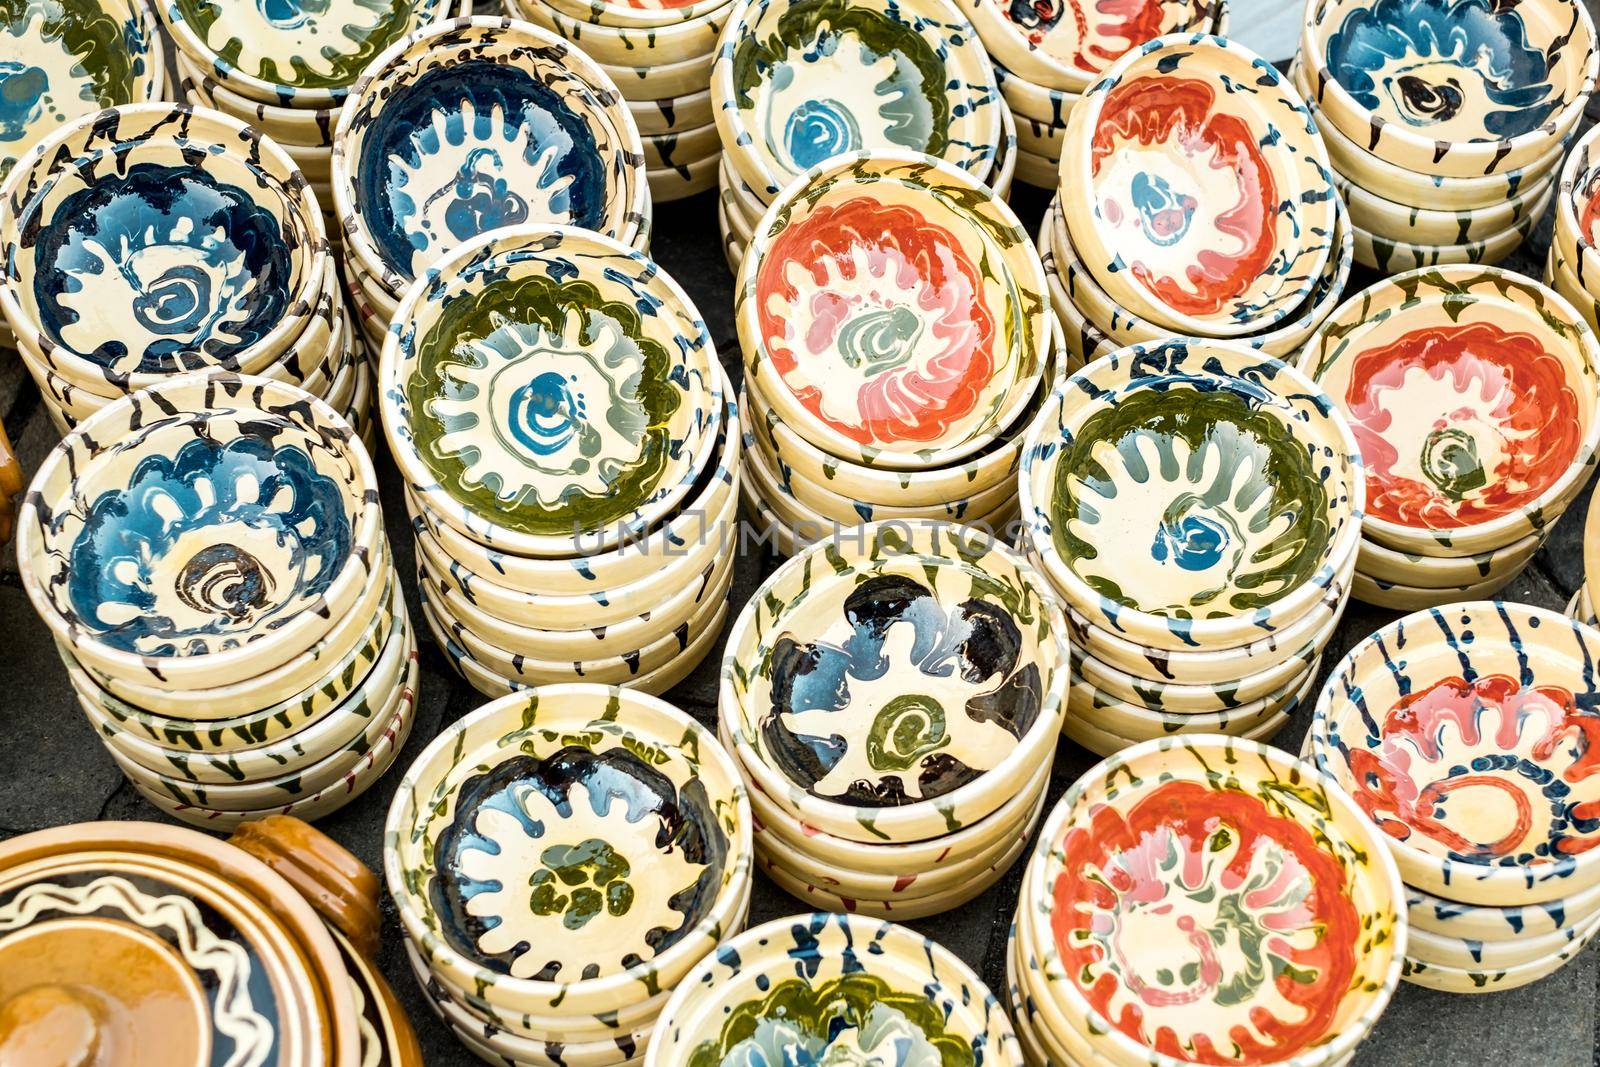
53	769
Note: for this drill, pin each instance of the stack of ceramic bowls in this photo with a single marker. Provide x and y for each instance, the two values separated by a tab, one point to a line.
287	73
866	992
1472	393
889	785
1464	735
1046	54
470	126
1143	243
561	859
150	240
1198	507
209	554
569	447
896	339
1205	899
1572	267
798	82
659	55
1582	604
1445	158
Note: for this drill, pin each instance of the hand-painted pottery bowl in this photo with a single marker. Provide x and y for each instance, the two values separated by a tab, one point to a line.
1082	342
675	182
1154	878
301	53
955	629
1578	212
642	14
797	82
1398	596
631	818
1392	257
1423	946
893	312
626	45
549	392
833	988
1486	923
1472	393
1065	46
1393	221
1198	129
673	114
1027	100
1492	701
127	261
201	531
1511	81
1191	494
1382	563
1559	276
662	82
1496	980
682	149
62	60
477	124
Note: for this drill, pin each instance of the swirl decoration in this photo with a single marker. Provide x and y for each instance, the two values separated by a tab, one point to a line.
818	130
1502	420
1206	924
912	701
1430	62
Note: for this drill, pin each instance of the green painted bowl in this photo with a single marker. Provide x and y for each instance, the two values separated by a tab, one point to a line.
549	392
1191	495
623	892
957	630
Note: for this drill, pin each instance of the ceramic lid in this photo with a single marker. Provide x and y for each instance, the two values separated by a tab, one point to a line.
135	943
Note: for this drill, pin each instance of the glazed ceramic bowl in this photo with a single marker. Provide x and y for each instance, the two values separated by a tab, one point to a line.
1578	212
1559	276
1377	561
666	873
797	82
1487	923
1254	508
549	392
1391	221
71	59
1135	180
629	45
1487	700
564	150
663	82
670	183
1393	257
636	13
292	58
1028	100
1379	74
688	112
869	988
1423	946
201	531
681	150
889	767
126	262
893	312
1487	979
308	127
1115	904
1398	596
1496	376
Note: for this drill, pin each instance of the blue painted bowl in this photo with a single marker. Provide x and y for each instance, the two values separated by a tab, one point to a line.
474	125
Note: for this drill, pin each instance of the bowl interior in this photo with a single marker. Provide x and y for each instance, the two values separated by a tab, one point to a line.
554	384
166	241
1086	40
811	79
1210	900
1193	483
1463	733
476	128
570	837
1471	396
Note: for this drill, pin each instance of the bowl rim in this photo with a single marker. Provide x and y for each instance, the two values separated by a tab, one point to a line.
1076	171
366	530
1402	851
1494	281
1199	634
703	435
713	924
1383	868
891	822
913	171
627	16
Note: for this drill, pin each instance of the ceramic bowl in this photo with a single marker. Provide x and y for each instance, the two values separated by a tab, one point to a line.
920	374
636	13
1487	923
593	408
1578	212
629	45
671	183
1423	946
870	988
292	58
1082	342
286	125
1028	100
71	59
741	199
1176	557
1380	563
1377	74
851	778
1134	179
663	880
1487	980
655	117
1489	700
1388	220
1393	257
225	272
1037	171
1104	743
1105	877
797	83
201	531
1399	596
565	150
663	82
1558	275
1473	466
682	149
